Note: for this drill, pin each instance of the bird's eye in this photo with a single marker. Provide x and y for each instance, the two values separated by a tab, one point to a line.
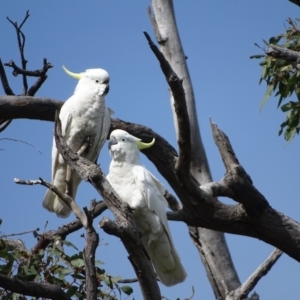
123	140
96	81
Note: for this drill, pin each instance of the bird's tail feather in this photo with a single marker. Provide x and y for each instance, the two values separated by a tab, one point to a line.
166	261
54	204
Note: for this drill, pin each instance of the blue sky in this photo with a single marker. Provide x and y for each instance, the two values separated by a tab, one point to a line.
218	37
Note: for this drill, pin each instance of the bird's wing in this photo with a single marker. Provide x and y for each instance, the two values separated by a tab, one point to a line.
159	245
153	192
66	120
103	136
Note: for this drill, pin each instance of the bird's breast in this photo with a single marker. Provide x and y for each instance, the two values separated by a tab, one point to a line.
124	184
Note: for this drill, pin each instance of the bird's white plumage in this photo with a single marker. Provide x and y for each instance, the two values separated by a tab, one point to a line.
144	194
83	115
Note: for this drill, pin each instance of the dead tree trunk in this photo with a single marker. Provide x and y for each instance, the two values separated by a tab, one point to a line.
211	245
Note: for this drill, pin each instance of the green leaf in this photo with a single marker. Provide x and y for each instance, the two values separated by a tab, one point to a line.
267	95
99	262
116	279
35	234
107	280
127	289
257	56
286	107
264	72
72	290
7	268
78	276
69	244
275	39
77	263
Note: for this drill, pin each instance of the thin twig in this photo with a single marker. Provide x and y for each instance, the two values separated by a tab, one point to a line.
261	271
4	124
21	233
4	81
21	43
14	140
132	280
36	73
26	182
64	197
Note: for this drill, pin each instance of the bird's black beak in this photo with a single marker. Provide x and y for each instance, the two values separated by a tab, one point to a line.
106	90
112	141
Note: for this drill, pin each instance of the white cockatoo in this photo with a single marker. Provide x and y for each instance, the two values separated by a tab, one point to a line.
84	115
144	194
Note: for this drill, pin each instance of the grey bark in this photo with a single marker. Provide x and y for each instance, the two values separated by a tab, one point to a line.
285	54
211	245
250	283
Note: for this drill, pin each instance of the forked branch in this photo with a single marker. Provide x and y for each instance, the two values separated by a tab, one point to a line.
21	43
251	282
182	166
41	74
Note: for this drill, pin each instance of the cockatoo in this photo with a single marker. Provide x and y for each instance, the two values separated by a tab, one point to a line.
137	187
84	115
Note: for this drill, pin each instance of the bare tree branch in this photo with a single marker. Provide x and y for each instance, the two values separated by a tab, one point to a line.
4	81
16	107
297	2
4	124
33	289
20	141
128	280
89	253
251	282
184	136
212	246
285	54
41	74
21	44
46	238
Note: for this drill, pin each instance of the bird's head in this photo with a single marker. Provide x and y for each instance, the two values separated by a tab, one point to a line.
95	80
125	147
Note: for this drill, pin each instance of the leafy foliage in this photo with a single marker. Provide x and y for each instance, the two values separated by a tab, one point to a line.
283	79
56	267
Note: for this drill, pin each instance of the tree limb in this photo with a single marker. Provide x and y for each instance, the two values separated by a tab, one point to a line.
62	232
251	282
182	166
33	289
4	81
285	54
212	247
297	2
41	74
21	43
